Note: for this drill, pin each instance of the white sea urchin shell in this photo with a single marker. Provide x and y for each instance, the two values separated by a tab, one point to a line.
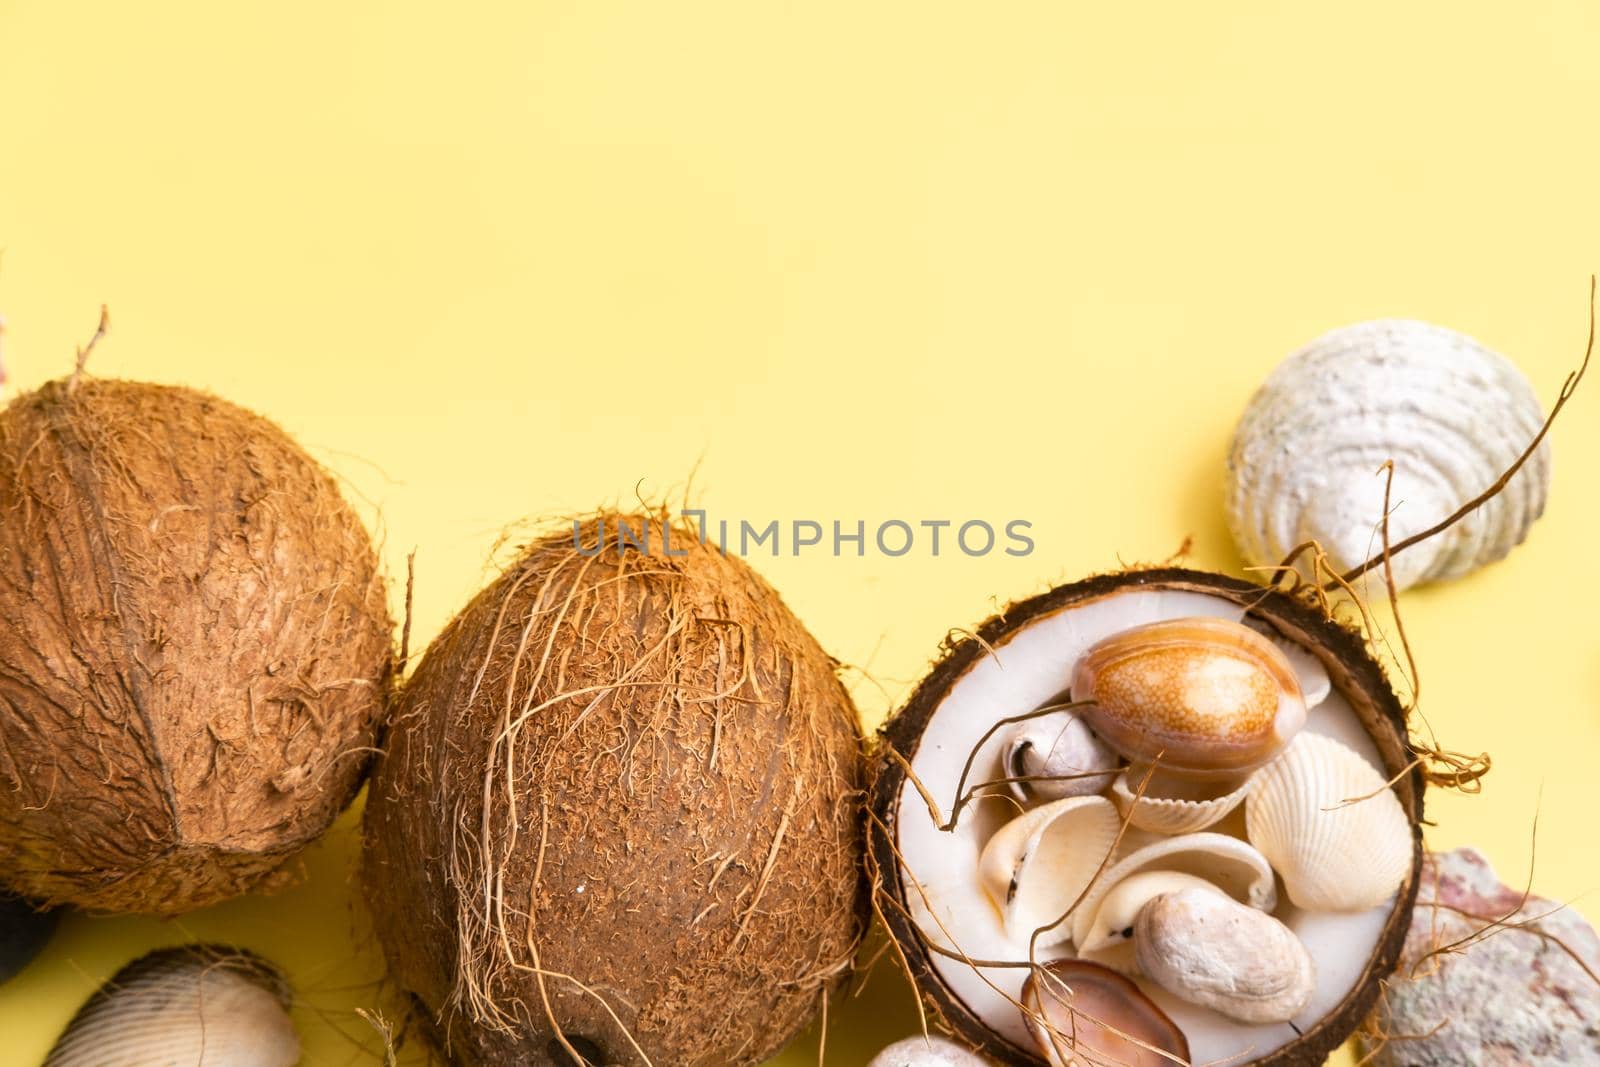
1453	416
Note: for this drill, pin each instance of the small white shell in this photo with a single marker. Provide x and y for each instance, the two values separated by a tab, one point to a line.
198	1006
1172	815
1226	862
1113	920
1059	744
1451	414
929	1051
1328	822
1036	865
1205	948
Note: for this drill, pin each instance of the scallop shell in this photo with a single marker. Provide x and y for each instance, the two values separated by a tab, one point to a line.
1208	699
1452	415
1035	866
1226	862
1328	822
1059	744
927	1051
1210	950
1172	815
199	1006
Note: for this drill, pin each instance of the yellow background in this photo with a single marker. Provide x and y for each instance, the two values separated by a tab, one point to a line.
855	260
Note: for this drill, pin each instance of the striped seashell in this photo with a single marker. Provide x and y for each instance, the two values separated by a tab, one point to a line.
196	1006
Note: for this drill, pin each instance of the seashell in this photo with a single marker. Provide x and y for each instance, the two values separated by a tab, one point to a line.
929	1050
1225	862
199	1006
1335	852
1113	921
24	931
1172	815
1035	866
1083	1015
1210	950
1207	699
1451	414
1058	745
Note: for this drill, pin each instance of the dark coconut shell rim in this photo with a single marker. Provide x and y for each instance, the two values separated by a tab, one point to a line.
1353	671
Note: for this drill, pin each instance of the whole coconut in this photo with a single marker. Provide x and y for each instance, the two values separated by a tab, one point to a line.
618	818
195	647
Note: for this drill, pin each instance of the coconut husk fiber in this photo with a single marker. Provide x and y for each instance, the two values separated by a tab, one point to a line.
618	819
195	647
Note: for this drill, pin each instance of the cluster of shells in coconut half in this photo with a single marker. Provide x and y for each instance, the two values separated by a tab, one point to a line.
1186	853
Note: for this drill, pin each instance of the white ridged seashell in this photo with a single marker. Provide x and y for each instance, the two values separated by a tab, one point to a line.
1228	863
1059	745
1113	921
197	1006
1035	866
1206	948
1172	815
929	1051
1330	825
1452	415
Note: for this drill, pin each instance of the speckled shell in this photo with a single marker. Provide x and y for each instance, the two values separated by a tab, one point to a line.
1451	414
1330	826
198	1006
1211	698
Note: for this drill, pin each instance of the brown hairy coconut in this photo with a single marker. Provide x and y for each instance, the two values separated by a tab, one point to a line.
195	647
618	816
950	742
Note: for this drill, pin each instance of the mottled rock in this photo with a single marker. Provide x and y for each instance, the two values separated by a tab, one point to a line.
930	1051
1508	998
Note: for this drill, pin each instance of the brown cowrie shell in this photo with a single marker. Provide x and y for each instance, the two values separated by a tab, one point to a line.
1204	700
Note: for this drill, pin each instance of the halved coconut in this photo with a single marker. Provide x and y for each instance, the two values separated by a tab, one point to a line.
968	965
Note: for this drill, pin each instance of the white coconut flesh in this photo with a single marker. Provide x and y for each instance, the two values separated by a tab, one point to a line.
1026	671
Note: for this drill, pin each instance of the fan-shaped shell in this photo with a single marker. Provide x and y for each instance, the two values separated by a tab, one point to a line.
1037	865
1230	864
1451	414
199	1006
1329	824
1173	815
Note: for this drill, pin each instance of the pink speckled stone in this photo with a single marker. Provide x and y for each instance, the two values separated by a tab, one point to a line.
1513	999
